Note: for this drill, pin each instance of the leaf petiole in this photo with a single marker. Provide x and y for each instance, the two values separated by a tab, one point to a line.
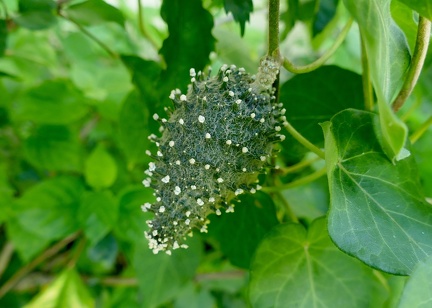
302	181
306	143
419	132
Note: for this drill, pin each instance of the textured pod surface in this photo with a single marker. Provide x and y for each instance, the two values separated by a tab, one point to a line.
213	147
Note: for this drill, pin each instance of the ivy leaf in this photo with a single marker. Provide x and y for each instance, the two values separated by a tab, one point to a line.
133	129
241	10
388	56
405	19
326	12
53	148
424	8
295	267
53	102
67	290
189	43
94	12
317	96
239	233
172	272
3	36
417	291
100	169
36	14
377	210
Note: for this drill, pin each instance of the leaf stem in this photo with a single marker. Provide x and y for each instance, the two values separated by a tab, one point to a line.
306	143
367	84
299	166
142	28
5	256
288	210
419	132
91	36
302	181
273	28
417	61
8	285
291	67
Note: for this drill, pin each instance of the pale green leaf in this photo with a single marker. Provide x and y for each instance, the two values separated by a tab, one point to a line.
377	210
100	168
418	290
67	290
93	12
295	267
423	7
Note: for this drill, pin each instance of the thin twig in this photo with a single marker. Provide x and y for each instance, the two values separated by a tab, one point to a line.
302	181
417	61
306	143
367	84
8	285
422	129
288	65
5	256
299	166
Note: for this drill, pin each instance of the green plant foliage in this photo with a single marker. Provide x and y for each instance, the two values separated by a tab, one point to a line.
3	36
424	8
100	168
93	12
36	14
373	199
295	267
326	12
241	10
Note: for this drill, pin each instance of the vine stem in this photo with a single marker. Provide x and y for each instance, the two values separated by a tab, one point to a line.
302	181
423	128
288	65
273	28
417	61
306	143
367	84
301	165
8	285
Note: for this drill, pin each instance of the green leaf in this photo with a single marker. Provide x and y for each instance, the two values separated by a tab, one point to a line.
36	14
388	56
418	290
377	210
97	214
66	291
161	277
100	168
133	129
315	97
405	18
241	10
326	12
93	12
189	43
294	267
53	148
191	297
3	36
423	7
239	233
45	212
53	102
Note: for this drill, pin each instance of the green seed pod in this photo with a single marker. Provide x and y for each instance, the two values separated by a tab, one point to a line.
213	147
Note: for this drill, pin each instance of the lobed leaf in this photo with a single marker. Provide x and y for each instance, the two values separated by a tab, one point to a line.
295	267
377	210
241	10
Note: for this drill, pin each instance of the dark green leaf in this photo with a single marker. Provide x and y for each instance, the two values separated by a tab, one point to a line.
46	212
418	290
423	7
239	233
161	276
94	12
53	102
3	36
100	168
315	97
388	56
100	258
53	148
377	211
133	129
36	14
98	214
289	17
241	10
294	267
189	43
326	12
66	291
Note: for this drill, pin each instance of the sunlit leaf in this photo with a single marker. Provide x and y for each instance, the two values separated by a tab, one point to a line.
295	267
423	7
418	290
377	210
388	55
241	10
67	290
93	12
100	168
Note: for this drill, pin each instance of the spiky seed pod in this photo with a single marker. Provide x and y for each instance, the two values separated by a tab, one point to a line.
215	143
